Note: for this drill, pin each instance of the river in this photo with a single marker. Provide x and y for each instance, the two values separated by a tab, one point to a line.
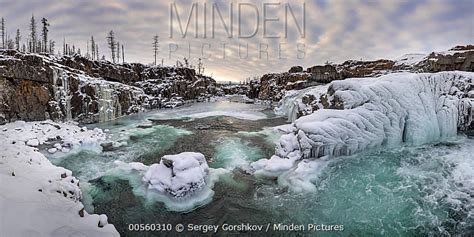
406	191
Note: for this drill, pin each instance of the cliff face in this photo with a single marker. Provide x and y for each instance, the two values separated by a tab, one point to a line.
271	85
38	87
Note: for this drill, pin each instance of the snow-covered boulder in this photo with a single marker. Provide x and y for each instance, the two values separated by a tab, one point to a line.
178	175
182	182
32	142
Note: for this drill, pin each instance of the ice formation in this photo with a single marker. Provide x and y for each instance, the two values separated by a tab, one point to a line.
292	102
222	107
182	182
389	110
61	92
178	175
36	197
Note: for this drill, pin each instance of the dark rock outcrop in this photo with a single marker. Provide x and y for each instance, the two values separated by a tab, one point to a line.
271	86
38	87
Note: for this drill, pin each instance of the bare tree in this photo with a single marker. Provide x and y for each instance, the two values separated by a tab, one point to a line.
10	43
52	44
17	39
186	62
123	55
200	67
112	44
118	52
156	46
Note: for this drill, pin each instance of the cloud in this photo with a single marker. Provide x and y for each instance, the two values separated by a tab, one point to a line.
335	30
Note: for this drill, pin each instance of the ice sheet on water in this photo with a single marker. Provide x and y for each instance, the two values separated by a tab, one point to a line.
219	108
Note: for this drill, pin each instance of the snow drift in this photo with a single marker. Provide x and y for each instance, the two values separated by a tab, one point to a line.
373	112
36	197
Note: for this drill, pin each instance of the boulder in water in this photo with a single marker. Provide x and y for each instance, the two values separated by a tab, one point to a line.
178	175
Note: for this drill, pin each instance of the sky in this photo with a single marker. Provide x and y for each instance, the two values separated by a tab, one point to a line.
318	31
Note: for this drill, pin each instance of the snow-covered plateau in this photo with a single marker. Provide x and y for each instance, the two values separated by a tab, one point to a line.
36	197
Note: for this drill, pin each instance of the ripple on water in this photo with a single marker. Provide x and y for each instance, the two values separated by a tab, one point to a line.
408	191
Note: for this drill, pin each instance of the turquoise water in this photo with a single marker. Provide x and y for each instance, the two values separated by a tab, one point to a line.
408	191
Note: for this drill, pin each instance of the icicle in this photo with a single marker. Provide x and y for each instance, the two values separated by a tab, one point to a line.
109	104
62	94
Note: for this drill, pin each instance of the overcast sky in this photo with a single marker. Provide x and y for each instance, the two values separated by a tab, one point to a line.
335	31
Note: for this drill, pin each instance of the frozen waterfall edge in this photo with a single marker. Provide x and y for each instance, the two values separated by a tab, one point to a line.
372	112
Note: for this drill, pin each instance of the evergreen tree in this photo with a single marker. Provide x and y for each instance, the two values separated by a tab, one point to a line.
156	46
44	34
33	36
2	30
112	44
17	39
93	47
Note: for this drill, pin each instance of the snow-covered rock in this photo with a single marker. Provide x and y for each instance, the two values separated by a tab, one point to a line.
36	197
181	182
32	142
178	175
297	103
76	88
386	111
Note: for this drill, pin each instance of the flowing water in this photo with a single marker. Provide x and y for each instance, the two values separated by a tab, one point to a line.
409	191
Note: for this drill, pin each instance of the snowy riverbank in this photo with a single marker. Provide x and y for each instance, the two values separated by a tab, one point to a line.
36	197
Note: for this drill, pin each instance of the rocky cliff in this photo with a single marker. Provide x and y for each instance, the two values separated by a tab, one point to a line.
38	87
272	86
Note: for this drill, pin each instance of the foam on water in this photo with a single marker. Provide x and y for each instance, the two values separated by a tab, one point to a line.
89	164
209	109
234	153
270	134
140	189
408	191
